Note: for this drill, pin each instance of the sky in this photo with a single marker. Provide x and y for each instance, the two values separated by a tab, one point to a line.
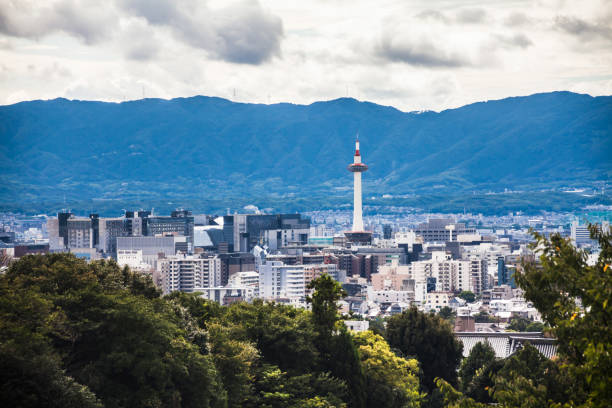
414	55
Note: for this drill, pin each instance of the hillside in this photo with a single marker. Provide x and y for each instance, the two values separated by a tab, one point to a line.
211	153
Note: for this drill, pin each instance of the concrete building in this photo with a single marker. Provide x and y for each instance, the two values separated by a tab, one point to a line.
109	230
150	247
580	234
187	273
227	295
277	280
242	232
442	230
393	277
132	258
357	325
180	222
438	300
68	231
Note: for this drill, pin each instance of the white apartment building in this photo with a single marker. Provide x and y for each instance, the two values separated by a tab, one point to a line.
580	234
390	296
280	281
487	252
249	279
132	258
438	300
187	273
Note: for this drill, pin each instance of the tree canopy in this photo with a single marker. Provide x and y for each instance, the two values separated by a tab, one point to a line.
429	339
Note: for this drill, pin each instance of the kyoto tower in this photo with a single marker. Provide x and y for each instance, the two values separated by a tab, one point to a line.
357	235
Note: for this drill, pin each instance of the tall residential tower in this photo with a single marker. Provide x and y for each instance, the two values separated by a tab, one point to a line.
358	234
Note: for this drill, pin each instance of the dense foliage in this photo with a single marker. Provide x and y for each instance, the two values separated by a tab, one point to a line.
391	381
522	324
74	334
468	296
429	339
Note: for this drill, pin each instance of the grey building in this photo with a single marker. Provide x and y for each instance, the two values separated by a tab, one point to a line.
442	230
151	247
180	222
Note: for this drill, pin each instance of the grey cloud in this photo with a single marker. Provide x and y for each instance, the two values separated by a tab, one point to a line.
463	16
433	14
156	12
513	41
243	33
582	29
90	21
249	35
423	53
517	19
471	15
140	42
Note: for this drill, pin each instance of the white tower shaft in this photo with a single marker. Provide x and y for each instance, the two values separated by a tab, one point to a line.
357	211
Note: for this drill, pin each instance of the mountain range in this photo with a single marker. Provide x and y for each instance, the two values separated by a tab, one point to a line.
209	153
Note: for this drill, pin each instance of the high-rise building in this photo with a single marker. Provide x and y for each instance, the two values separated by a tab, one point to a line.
243	232
358	234
180	222
387	231
279	281
67	231
188	273
580	234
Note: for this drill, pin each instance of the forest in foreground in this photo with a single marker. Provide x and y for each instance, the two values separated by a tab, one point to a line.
77	334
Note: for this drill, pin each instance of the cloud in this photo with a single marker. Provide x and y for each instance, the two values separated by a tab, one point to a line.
433	15
517	19
471	16
513	41
139	41
584	30
242	33
418	53
463	16
88	20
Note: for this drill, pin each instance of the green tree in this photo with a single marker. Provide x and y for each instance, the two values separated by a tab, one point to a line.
522	324
324	301
31	372
484	317
283	335
447	314
481	355
338	351
468	296
575	300
391	381
114	334
429	339
529	380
